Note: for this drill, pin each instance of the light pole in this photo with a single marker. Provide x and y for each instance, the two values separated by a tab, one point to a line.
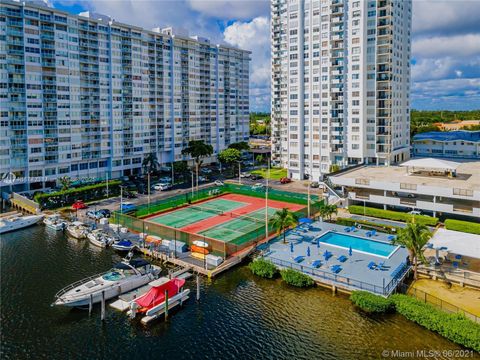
266	200
308	192
192	184
121	199
106	177
239	177
148	185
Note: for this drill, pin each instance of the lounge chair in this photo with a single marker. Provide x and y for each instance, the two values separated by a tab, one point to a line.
374	232
342	258
328	255
347	229
353	229
368	233
455	264
458	257
316	263
371	265
336	269
299	259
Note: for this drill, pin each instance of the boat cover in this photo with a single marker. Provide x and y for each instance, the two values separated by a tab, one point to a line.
156	295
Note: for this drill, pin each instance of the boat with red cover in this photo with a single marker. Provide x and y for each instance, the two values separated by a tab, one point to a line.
156	295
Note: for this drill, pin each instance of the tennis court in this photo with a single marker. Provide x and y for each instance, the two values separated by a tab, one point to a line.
240	225
196	213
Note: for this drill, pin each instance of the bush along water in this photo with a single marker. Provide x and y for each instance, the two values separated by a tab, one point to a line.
296	278
371	303
454	327
263	268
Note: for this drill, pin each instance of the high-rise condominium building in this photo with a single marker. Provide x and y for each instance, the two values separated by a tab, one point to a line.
86	96
340	83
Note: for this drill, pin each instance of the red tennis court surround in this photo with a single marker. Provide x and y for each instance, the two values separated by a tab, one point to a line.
254	204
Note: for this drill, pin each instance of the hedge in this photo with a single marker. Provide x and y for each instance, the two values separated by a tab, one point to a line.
368	225
263	268
454	327
296	278
85	193
464	226
372	303
392	215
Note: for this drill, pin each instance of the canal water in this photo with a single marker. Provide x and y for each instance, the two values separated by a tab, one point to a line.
238	316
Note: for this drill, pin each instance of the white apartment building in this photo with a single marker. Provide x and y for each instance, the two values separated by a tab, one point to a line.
340	83
87	96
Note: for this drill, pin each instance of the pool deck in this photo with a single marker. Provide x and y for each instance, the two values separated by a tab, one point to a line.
355	274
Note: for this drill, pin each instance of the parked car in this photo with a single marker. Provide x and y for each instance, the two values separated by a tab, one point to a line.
285	180
129	195
404	194
415	212
206	171
104	213
78	205
127	206
162	186
202	179
218	183
245	175
92	215
248	163
165	179
314	184
258	186
256	177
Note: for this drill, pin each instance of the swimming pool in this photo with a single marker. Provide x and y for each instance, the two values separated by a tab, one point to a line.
359	244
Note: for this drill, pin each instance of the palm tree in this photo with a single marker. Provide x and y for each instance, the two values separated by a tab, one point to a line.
66	182
197	149
282	220
326	211
150	163
414	237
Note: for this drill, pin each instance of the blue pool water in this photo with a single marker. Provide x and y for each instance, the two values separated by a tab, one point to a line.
359	244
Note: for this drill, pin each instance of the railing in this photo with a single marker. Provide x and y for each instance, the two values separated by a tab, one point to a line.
77	283
383	290
439	303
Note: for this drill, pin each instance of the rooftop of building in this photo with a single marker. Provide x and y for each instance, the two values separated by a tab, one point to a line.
467	175
449	136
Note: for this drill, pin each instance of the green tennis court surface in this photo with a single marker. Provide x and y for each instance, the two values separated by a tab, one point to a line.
194	213
235	230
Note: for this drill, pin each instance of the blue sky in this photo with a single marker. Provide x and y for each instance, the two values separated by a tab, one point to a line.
445	41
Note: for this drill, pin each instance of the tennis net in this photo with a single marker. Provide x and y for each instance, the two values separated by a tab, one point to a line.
206	209
248	218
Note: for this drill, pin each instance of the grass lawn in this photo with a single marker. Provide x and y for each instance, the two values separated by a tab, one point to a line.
275	173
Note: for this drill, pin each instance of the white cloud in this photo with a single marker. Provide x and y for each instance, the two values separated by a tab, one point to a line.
254	36
234	9
458	46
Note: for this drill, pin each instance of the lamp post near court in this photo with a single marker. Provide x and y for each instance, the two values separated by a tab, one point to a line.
266	200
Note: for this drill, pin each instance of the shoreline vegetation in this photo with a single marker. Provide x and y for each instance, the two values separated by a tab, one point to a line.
454	327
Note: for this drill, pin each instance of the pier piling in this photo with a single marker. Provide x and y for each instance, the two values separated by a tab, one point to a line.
90	305
198	287
102	315
166	304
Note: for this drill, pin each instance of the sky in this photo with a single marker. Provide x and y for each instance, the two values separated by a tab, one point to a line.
445	41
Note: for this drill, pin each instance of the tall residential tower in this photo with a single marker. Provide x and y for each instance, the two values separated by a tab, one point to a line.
340	83
86	96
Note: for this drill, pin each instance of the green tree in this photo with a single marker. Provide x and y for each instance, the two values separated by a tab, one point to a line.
414	237
282	220
229	156
150	163
242	145
66	182
181	169
198	150
260	158
327	210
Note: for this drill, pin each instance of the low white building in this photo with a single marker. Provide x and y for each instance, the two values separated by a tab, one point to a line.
447	144
433	186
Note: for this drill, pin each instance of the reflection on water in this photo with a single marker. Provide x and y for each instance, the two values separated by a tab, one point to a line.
238	316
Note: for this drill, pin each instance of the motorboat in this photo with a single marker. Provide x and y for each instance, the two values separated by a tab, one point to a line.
123	245
153	303
77	230
17	222
123	277
55	222
100	238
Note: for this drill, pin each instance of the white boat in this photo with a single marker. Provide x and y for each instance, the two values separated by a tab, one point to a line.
124	277
100	238
123	245
13	223
77	229
55	222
